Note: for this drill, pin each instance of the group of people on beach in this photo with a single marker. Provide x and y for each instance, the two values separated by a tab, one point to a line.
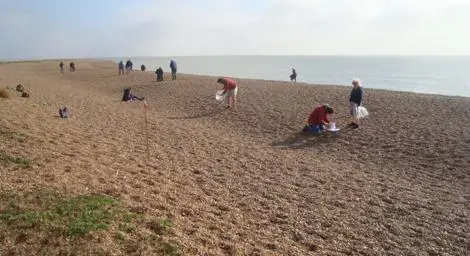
159	71
129	66
71	67
318	119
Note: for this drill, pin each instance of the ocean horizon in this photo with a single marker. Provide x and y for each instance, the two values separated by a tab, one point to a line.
445	75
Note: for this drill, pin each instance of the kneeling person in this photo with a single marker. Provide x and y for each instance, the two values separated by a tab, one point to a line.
318	119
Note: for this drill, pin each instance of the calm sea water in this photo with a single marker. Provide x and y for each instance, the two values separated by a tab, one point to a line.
449	75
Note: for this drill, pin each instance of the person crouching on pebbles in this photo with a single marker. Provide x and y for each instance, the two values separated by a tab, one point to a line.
355	100
318	119
230	90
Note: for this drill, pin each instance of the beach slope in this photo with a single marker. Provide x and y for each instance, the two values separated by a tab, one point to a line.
236	181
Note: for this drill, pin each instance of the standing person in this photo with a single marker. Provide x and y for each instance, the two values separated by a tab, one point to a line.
355	100
173	69
121	68
318	119
293	76
159	73
72	67
142	67
230	90
61	65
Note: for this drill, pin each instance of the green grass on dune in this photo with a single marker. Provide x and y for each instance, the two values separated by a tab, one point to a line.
47	217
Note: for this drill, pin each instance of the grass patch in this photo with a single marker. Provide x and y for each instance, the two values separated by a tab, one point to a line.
13	135
76	216
46	215
87	213
6	159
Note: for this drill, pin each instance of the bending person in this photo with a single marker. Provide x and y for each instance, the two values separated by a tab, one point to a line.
230	90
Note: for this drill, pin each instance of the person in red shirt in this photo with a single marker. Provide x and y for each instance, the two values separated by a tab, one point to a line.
319	117
230	90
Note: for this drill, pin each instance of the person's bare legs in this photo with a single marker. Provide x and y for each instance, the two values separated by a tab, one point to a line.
229	100
234	101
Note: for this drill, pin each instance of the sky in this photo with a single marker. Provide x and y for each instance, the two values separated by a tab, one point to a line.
32	29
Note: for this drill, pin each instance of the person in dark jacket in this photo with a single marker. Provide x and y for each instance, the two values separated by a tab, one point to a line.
72	67
173	69
293	76
142	67
129	66
61	65
121	68
159	73
355	101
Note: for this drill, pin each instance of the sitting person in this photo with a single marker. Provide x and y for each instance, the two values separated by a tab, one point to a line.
318	119
128	95
64	112
293	76
159	73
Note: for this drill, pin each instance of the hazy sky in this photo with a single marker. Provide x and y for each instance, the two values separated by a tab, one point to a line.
108	28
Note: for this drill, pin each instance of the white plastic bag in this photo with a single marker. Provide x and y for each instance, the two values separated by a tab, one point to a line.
362	112
220	95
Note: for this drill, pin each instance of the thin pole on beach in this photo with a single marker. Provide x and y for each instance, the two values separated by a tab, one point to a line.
146	130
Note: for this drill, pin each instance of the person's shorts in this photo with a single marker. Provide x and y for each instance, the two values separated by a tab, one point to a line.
231	93
353	109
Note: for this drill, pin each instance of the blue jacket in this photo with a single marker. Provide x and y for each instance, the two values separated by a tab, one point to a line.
172	64
356	96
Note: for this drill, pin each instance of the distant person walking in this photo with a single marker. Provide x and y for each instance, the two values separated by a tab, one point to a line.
121	68
159	73
61	65
355	100
173	67
72	67
293	76
230	90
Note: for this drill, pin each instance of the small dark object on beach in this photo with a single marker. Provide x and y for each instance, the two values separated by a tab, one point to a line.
20	88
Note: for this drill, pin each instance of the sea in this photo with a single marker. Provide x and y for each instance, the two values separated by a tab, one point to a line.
445	75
